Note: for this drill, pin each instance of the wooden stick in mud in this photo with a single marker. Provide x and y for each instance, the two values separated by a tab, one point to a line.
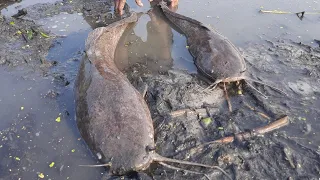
287	12
255	132
179	112
258	112
299	14
227	97
182	112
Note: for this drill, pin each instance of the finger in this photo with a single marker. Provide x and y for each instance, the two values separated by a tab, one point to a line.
139	3
116	5
121	6
173	5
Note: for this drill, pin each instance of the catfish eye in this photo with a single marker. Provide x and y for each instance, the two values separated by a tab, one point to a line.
150	148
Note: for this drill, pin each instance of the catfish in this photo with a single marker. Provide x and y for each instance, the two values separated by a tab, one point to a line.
112	116
214	55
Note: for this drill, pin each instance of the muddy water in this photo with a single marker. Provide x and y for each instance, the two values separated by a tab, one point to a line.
29	105
12	9
31	138
37	113
241	21
153	44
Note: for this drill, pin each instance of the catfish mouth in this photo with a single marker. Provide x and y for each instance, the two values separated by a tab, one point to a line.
147	160
232	79
241	76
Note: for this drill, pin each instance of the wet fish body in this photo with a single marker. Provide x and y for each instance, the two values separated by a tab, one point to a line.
112	116
214	55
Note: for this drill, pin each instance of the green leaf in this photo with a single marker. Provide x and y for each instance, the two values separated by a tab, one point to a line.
58	119
206	121
44	35
30	34
51	164
41	175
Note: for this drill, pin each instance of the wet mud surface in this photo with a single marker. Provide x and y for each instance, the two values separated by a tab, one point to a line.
38	133
283	154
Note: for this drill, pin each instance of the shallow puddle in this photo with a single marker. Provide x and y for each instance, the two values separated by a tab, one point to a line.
155	45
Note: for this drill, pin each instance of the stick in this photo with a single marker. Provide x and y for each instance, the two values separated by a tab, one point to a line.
181	169
227	97
180	112
98	165
250	85
260	113
145	89
286	12
255	132
159	159
23	36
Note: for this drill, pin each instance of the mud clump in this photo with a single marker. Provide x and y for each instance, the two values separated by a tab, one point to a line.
22	43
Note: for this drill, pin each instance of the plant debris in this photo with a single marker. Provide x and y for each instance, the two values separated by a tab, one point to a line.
58	119
51	164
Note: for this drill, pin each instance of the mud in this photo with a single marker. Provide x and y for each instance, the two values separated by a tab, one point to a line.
280	155
17	48
31	138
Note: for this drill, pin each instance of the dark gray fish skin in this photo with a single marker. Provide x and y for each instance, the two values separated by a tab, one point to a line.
214	55
112	116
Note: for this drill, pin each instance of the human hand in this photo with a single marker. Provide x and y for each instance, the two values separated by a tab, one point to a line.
119	5
173	4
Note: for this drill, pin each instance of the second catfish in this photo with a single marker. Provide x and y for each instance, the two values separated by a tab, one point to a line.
214	55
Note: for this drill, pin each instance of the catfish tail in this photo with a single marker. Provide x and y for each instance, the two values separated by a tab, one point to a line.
188	26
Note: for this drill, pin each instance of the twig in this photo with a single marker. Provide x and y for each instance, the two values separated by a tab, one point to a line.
144	90
201	112
23	36
300	15
255	132
227	97
275	12
180	112
260	113
286	12
159	159
181	169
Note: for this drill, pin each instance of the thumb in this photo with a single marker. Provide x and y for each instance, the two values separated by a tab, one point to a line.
139	3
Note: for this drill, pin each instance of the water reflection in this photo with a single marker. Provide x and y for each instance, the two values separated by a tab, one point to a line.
153	44
154	51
